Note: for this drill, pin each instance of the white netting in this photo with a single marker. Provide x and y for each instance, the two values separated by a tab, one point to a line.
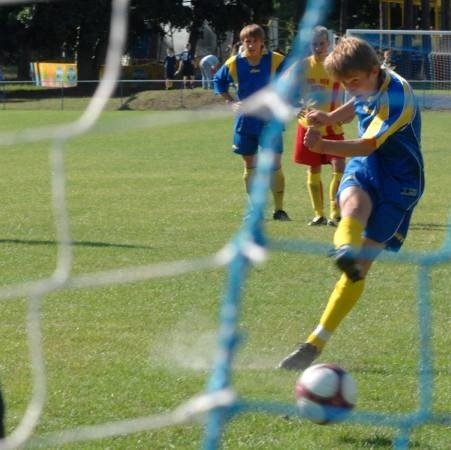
245	249
62	277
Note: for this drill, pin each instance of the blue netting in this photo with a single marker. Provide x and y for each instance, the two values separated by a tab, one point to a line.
251	238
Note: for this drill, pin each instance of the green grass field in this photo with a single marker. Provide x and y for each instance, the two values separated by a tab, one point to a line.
138	196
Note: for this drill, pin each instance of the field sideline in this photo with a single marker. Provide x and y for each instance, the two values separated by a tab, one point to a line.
160	194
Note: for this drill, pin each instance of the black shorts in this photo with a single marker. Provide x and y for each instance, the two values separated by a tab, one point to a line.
187	70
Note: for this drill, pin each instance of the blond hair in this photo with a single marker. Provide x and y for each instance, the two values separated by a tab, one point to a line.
252	31
351	54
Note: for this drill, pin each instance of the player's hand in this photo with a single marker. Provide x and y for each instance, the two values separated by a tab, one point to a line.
236	106
302	117
317	118
312	139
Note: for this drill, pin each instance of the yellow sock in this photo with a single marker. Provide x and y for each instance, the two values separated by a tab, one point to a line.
247	177
343	298
349	232
278	188
315	189
333	187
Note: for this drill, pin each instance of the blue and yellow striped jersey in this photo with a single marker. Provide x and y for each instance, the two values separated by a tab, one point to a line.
391	117
247	79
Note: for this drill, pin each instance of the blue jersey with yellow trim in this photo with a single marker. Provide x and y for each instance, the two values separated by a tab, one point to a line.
248	79
392	118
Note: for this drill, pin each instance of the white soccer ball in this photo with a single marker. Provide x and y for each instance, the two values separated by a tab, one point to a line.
325	393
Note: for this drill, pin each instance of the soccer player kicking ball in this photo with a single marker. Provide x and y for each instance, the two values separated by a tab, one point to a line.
381	185
250	71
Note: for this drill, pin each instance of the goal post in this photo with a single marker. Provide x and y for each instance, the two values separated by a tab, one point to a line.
423	57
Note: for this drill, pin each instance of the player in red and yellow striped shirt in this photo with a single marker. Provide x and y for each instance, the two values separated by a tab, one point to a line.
323	93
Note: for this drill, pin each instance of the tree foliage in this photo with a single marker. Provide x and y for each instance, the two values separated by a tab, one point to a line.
46	30
51	30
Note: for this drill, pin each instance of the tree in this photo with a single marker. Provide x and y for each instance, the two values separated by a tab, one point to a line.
343	16
407	39
43	30
80	28
16	41
227	16
148	17
221	15
446	15
408	15
425	14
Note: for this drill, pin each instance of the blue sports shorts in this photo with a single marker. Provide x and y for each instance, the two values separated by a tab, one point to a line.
388	223
248	144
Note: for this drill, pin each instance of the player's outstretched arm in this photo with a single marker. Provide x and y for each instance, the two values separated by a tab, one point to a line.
350	147
343	114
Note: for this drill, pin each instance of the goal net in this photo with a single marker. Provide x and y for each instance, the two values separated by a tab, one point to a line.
219	402
422	57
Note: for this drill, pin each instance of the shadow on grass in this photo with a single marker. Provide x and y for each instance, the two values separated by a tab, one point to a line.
430	226
376	442
74	243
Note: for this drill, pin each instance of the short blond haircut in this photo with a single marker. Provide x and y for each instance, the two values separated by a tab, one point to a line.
252	31
351	54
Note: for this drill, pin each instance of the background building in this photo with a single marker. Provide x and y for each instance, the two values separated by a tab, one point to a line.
412	14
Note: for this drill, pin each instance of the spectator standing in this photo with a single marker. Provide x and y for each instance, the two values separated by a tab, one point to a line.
169	68
186	66
208	66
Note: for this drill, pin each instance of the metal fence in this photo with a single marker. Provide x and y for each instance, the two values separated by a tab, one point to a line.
152	95
129	94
